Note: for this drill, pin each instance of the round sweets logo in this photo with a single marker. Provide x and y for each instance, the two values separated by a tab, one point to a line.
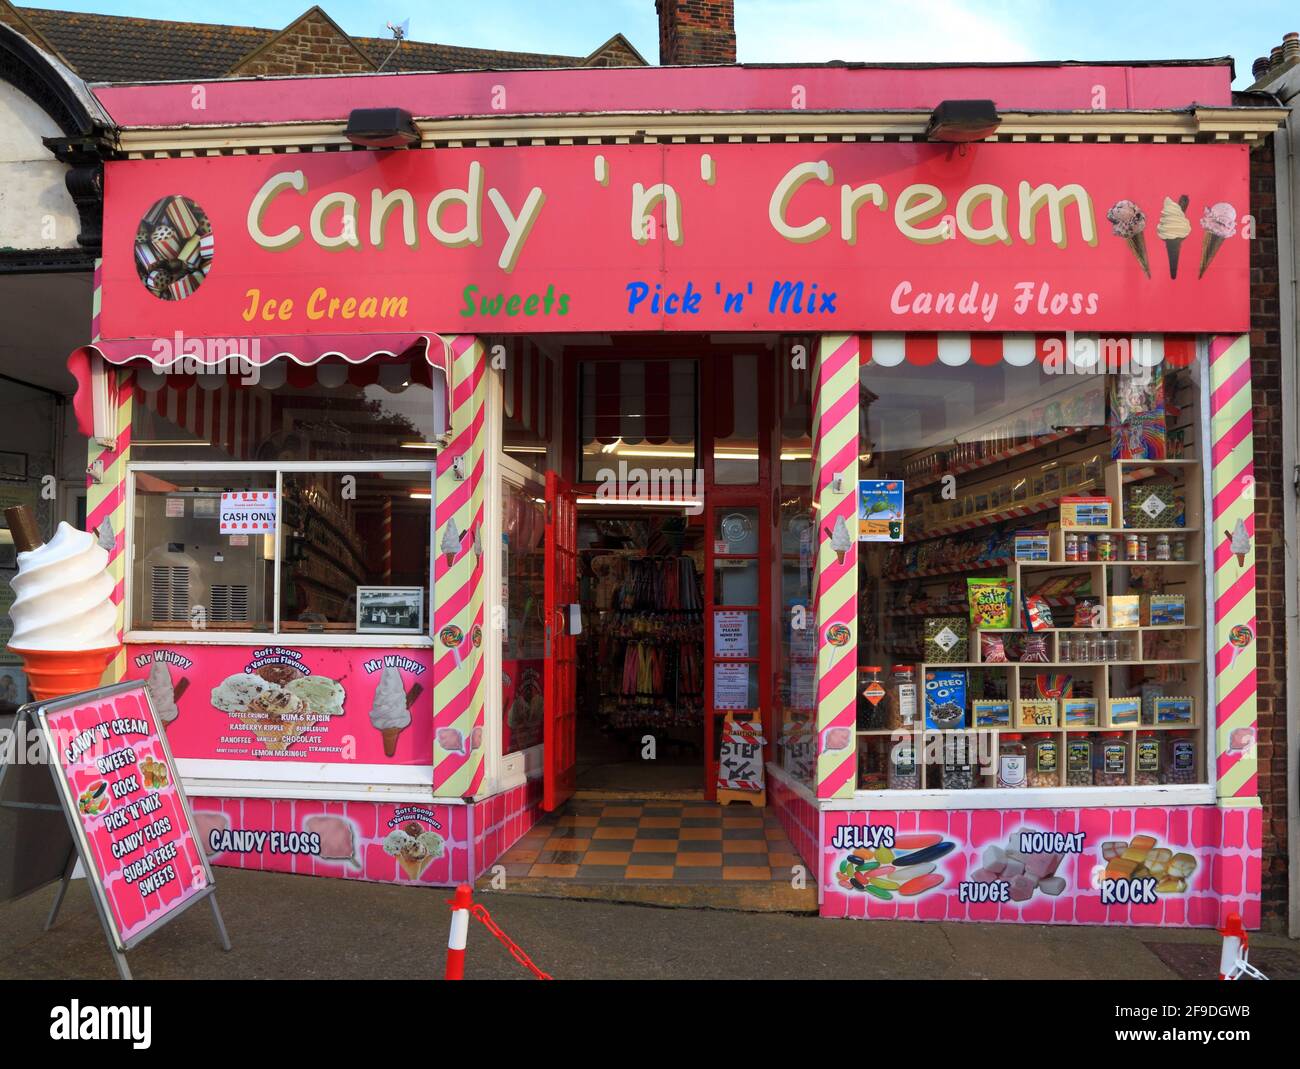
173	248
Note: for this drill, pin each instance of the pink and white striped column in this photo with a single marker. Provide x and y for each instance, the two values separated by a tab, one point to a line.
1232	512
106	498
835	591
458	572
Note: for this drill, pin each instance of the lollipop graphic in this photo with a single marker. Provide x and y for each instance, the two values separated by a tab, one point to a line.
1239	638
452	636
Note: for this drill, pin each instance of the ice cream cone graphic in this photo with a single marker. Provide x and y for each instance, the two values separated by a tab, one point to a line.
64	620
390	709
390	736
1173	229
1128	221
413	848
450	542
1238	540
1219	221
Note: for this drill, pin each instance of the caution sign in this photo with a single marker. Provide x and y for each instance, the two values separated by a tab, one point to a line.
740	761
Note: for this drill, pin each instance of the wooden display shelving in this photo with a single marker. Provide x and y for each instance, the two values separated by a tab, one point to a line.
1107	678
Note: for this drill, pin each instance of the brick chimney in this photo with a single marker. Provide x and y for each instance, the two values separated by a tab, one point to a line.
696	31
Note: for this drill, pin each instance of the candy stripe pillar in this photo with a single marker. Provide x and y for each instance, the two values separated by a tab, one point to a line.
458	578
106	498
835	591
1231	534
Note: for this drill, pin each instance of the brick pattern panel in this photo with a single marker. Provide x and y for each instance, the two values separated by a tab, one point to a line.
798	818
502	820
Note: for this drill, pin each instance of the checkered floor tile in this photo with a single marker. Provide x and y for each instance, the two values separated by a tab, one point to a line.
653	840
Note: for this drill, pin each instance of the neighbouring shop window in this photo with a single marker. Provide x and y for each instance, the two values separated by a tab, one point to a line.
374	410
1032	609
523	633
639	416
353	551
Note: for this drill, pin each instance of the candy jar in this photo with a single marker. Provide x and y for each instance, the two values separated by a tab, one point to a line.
1110	760
1044	763
1078	761
1179	765
1012	759
904	774
1146	759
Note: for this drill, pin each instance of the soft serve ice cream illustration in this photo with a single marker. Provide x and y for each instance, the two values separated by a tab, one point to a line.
390	711
65	622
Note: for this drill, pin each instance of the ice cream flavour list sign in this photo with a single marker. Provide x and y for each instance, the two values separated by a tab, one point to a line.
116	776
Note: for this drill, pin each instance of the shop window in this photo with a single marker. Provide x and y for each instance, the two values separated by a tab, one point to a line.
353	551
1032	608
735	417
523	634
282	411
188	576
639	416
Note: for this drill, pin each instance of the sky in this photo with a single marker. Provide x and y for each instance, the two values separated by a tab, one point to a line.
799	30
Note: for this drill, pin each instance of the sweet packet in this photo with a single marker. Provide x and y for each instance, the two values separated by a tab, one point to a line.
990	602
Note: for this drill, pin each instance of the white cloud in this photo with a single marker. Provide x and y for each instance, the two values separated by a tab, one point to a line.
921	31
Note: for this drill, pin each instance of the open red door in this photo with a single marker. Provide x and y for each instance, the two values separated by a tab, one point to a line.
561	647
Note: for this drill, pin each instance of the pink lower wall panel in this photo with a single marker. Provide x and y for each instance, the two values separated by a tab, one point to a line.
950	864
798	818
434	844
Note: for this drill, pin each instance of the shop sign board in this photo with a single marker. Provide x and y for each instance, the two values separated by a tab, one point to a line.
1156	865
126	810
825	236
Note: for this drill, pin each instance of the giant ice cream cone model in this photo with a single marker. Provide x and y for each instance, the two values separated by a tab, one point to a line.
65	622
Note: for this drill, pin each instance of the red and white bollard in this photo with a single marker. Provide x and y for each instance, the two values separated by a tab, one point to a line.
457	936
1234	957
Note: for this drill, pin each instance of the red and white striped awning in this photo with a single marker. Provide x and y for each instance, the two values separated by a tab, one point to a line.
639	401
1081	351
390	360
529	386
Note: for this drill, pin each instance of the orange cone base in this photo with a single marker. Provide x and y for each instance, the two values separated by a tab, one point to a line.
56	673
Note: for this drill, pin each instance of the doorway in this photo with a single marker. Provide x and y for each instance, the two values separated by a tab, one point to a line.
640	678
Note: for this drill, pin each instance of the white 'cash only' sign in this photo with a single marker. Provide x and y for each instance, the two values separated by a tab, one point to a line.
248	512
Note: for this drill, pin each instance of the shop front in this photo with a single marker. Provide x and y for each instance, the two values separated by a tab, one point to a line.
450	481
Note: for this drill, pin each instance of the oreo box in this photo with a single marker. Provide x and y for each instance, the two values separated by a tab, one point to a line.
945	699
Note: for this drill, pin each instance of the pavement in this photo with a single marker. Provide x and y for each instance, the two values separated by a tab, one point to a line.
302	927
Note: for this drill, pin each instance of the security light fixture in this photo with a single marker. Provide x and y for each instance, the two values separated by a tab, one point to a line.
960	121
381	128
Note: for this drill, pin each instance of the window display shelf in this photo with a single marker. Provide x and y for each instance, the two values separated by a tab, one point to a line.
988	461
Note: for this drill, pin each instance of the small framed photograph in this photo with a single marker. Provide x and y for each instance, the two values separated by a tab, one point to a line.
391	609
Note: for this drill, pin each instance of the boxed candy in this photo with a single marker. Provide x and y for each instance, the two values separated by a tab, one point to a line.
1166	610
945	698
946	640
1152	505
991	713
1036	713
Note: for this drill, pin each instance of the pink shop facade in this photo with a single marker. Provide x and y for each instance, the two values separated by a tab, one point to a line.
990	498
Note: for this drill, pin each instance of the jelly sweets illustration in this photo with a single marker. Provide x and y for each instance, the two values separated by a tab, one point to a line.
173	248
